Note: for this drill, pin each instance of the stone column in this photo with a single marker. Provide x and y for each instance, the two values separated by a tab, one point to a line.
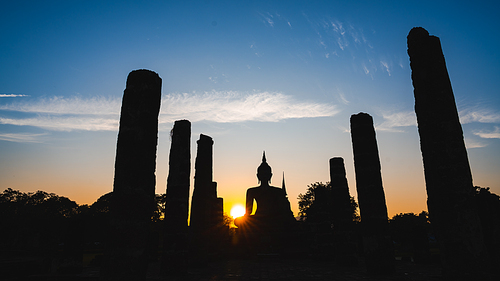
206	217
132	203
378	249
204	190
341	199
175	243
447	172
344	240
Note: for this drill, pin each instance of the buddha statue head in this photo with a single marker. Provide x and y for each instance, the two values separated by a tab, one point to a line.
264	173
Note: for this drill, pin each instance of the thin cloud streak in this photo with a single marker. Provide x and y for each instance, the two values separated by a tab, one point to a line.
267	19
59	123
230	107
12	95
386	67
21	137
473	144
489	135
395	120
408	118
478	115
102	114
72	105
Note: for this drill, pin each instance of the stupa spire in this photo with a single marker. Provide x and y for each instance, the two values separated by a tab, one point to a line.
283	184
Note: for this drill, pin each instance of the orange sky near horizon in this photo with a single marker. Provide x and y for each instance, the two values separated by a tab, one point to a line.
86	190
403	177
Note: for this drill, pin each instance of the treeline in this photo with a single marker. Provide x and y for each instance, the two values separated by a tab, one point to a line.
49	225
411	233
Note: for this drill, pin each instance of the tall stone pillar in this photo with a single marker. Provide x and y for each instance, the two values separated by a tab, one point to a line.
206	215
204	189
378	249
175	245
344	240
341	199
447	172
132	203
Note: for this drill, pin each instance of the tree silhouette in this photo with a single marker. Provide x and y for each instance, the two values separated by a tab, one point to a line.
488	206
316	205
34	219
410	233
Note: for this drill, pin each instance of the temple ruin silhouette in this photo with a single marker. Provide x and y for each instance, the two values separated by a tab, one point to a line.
272	230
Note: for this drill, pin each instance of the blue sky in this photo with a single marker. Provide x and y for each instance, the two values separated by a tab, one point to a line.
278	76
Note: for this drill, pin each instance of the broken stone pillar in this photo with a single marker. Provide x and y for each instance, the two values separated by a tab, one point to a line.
447	172
343	239
175	243
133	203
217	208
204	189
377	244
206	216
341	199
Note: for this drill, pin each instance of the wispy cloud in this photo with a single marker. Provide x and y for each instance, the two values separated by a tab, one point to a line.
21	137
342	97
473	144
102	114
365	69
385	65
478	115
495	134
66	123
229	107
272	19
12	95
267	19
72	105
393	121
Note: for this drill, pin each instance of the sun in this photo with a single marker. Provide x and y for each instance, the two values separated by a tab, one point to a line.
237	211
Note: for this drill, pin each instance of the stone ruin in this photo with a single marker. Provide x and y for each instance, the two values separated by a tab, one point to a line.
134	183
343	239
206	208
377	244
446	167
175	240
447	172
341	199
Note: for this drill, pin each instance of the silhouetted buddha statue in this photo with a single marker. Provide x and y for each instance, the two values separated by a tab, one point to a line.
273	208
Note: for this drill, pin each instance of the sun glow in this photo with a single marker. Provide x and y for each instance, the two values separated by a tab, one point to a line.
237	211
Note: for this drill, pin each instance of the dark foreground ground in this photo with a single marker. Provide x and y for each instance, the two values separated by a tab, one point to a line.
268	268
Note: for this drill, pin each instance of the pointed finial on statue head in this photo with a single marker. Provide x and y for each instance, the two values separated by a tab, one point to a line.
264	170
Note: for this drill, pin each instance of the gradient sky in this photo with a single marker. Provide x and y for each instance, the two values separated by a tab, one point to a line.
279	76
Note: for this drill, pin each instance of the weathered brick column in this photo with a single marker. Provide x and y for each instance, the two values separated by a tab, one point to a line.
447	172
204	189
341	199
378	249
175	243
344	240
134	183
206	209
